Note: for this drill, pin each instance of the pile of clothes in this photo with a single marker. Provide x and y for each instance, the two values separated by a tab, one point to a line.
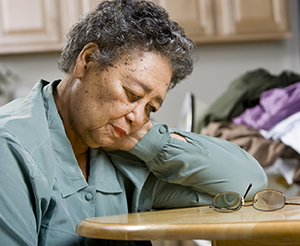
260	112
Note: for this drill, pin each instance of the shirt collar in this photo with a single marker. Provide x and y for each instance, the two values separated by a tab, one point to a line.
103	173
69	176
131	166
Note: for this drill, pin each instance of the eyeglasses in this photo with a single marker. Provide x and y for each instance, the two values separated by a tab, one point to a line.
265	200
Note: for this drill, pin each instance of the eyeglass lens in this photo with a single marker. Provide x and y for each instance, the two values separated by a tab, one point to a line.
227	202
269	200
265	200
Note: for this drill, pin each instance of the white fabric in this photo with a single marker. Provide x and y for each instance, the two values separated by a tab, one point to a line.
287	130
203	242
286	167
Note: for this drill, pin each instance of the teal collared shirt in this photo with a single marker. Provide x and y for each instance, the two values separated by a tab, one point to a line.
44	194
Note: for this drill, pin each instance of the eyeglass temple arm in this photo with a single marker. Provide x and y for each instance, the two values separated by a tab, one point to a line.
292	203
248	189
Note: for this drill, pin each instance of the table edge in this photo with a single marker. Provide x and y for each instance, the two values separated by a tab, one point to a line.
208	231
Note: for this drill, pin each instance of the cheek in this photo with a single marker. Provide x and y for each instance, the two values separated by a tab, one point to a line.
103	109
86	110
114	103
98	105
115	108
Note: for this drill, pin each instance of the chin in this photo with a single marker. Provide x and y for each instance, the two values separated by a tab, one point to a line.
104	144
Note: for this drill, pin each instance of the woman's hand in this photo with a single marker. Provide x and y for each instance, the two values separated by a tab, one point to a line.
178	136
128	142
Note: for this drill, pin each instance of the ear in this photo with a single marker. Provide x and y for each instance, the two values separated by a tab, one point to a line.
84	58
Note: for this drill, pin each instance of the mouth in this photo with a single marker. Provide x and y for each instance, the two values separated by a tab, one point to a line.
119	131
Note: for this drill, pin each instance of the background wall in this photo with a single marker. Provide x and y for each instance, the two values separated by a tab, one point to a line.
217	66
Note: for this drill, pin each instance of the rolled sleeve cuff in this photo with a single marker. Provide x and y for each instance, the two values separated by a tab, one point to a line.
149	146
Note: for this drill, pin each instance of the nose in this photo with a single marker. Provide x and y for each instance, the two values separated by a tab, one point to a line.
137	116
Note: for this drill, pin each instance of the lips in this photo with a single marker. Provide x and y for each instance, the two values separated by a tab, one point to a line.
119	131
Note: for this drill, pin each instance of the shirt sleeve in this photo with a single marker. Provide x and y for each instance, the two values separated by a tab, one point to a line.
18	224
207	165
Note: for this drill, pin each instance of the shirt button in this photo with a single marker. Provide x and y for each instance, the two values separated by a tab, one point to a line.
88	196
162	129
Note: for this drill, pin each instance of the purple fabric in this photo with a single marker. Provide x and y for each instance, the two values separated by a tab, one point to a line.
274	105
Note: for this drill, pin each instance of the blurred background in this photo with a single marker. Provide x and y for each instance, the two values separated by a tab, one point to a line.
233	37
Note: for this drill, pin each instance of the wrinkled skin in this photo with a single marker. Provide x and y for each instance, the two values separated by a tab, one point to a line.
110	107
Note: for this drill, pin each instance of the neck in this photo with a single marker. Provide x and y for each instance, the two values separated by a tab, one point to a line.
62	96
83	163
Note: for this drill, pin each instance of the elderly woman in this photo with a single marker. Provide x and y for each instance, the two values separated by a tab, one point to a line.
85	146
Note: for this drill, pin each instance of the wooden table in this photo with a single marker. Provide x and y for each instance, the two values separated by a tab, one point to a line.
244	227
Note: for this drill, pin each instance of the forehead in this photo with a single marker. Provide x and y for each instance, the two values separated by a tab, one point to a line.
148	70
143	57
150	64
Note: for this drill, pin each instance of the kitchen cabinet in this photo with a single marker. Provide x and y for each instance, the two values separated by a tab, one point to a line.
41	25
72	10
252	19
31	25
38	25
218	21
195	16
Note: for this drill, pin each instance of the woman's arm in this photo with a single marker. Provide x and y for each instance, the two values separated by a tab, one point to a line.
18	223
205	164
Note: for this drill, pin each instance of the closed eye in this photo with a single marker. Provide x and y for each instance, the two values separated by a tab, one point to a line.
151	108
132	97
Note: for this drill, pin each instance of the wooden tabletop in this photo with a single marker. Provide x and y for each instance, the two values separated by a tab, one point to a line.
197	223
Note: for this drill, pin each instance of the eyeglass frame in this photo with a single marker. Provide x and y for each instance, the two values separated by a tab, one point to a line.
242	201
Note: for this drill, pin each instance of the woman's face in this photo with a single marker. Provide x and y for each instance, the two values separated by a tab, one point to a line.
107	104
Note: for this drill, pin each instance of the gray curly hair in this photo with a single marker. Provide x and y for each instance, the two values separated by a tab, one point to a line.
119	27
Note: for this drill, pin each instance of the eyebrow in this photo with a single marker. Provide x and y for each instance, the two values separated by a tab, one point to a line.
159	100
